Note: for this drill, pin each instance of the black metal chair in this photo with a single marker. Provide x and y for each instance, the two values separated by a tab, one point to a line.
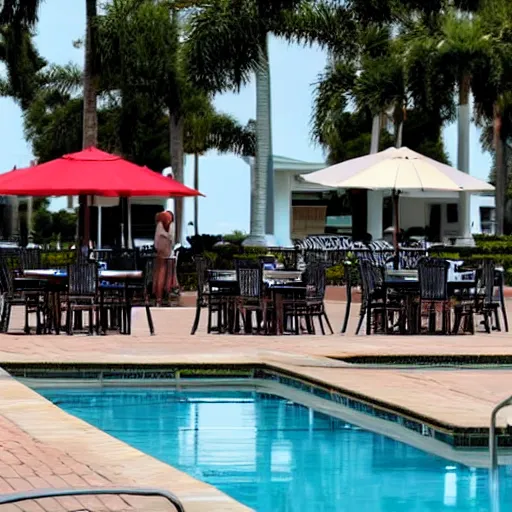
312	306
433	284
252	298
140	296
487	303
221	296
30	259
347	272
82	294
20	296
373	294
202	267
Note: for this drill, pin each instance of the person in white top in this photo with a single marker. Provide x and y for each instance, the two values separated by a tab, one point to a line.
164	274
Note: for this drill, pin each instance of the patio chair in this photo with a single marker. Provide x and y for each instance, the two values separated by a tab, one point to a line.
221	298
373	294
486	303
30	259
312	306
433	284
140	296
214	295
251	298
82	294
202	265
347	272
11	296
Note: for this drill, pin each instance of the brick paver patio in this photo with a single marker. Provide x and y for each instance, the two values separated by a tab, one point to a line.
42	446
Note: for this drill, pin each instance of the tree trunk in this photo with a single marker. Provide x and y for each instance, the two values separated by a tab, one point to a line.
177	161
374	144
501	172
90	115
196	199
370	211
463	128
399	119
262	212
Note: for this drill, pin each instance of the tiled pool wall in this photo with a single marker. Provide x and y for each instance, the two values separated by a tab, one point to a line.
167	374
430	360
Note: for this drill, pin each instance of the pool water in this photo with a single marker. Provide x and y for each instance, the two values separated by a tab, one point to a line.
277	456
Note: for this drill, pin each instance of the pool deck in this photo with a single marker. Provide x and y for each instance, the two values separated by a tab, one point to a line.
41	446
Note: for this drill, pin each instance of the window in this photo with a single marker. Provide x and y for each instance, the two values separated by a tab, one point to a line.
452	213
487	220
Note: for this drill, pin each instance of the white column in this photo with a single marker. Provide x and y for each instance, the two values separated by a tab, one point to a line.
98	238
463	128
283	208
374	213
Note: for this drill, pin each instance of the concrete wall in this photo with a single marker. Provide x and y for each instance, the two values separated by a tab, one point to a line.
476	203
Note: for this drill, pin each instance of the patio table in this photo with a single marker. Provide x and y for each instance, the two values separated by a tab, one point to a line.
279	283
57	277
406	283
107	275
268	275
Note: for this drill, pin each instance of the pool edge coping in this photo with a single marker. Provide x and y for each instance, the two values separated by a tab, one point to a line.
449	433
33	414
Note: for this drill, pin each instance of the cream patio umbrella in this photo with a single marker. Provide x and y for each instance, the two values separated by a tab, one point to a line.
396	169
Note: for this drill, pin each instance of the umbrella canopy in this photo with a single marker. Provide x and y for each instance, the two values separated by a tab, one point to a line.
398	170
91	172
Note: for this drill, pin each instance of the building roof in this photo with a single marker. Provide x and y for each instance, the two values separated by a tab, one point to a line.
283	163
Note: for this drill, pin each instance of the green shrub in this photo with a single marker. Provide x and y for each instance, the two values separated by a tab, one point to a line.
58	259
334	275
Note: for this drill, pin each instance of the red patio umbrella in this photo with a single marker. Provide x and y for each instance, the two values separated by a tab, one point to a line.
91	172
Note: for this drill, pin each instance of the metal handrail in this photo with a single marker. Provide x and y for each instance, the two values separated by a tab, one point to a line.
493	445
58	493
493	456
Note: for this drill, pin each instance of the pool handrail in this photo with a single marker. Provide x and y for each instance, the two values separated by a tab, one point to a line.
493	445
38	494
493	456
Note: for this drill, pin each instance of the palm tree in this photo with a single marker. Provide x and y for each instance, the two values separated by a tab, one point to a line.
206	129
492	90
227	44
447	42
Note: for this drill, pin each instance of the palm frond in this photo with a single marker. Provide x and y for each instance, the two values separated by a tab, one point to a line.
327	24
333	93
21	13
66	79
223	44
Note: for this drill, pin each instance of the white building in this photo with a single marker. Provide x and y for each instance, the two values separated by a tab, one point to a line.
301	208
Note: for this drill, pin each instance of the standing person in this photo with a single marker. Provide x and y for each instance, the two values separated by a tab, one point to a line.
164	242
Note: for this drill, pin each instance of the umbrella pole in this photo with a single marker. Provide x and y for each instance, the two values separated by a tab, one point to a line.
86	215
396	230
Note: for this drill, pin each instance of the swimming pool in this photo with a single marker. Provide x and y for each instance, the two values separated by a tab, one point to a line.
277	456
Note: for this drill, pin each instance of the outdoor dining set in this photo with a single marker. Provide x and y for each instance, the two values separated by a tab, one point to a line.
438	297
257	299
59	294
